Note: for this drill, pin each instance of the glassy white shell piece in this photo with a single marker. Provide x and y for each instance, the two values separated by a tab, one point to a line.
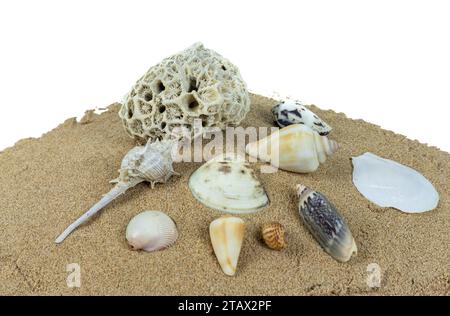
151	231
390	184
226	183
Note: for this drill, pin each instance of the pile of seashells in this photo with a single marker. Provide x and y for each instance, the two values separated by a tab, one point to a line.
227	183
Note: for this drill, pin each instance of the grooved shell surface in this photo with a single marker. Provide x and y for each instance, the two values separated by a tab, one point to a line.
274	235
151	231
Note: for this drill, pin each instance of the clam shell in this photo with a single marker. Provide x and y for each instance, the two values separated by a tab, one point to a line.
325	223
295	148
227	235
288	113
390	184
274	235
151	231
226	183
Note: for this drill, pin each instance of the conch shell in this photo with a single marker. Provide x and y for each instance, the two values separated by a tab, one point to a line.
152	163
326	224
295	148
273	235
227	234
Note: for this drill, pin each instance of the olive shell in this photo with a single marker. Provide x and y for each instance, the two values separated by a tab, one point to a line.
326	224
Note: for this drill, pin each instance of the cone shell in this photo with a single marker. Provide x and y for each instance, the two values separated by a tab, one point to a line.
295	148
151	231
227	235
326	224
274	235
226	183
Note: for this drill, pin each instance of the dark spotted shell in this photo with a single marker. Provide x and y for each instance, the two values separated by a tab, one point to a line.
325	223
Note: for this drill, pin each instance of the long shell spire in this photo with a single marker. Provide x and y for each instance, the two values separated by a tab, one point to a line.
152	163
117	191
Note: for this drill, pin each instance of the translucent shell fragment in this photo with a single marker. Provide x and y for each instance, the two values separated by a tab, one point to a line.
390	184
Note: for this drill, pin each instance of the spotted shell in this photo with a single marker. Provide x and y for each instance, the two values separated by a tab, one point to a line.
274	235
288	113
326	224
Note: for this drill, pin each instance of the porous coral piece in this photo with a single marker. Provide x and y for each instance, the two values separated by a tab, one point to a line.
196	83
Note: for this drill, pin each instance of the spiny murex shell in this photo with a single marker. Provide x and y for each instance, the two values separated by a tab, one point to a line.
227	235
326	224
274	235
295	148
151	163
151	231
196	83
390	184
226	183
288	112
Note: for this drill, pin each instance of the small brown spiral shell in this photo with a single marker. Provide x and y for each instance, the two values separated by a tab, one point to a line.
274	235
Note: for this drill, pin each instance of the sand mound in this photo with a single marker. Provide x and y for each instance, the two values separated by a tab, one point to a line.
46	183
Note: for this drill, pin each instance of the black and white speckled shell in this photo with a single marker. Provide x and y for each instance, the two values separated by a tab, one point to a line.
288	113
327	226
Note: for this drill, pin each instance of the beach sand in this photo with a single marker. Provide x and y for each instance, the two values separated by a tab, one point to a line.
47	183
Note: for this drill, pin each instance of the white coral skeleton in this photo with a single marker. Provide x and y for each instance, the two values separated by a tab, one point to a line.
195	84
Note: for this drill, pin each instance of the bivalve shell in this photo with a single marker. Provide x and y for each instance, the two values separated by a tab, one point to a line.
151	231
227	183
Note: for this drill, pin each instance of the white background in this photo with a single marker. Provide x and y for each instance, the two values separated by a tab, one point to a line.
387	62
